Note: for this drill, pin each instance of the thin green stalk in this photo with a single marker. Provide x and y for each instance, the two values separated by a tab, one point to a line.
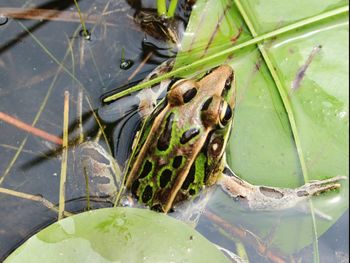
172	8
229	51
34	198
85	31
161	7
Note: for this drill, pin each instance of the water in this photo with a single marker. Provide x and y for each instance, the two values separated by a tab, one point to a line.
42	55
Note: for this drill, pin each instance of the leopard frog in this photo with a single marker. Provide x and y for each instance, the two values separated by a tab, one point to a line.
180	148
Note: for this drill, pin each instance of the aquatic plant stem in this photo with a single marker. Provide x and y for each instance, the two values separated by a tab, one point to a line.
85	32
172	8
30	129
161	7
63	177
229	51
35	198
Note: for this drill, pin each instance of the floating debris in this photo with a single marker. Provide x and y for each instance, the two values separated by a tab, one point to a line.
126	64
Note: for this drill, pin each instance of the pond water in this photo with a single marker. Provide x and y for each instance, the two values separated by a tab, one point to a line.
45	59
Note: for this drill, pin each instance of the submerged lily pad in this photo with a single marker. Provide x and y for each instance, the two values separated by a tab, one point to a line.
117	235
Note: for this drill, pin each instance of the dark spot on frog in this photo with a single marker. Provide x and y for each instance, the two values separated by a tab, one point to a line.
165	178
147	194
192	191
164	139
135	187
207	171
188	135
101	180
302	193
97	156
189	178
270	192
177	161
147	168
206	104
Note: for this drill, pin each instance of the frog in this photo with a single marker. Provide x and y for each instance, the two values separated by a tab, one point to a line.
179	149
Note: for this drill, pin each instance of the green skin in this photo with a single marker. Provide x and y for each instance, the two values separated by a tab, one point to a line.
153	177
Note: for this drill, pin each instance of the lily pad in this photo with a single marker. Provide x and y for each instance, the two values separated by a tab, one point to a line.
292	107
117	235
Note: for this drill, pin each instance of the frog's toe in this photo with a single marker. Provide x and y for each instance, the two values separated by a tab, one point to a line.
319	186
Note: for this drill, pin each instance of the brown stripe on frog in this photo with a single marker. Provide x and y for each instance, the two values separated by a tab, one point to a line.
143	147
189	178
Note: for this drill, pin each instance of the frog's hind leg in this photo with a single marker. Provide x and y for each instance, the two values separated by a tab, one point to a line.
103	177
266	198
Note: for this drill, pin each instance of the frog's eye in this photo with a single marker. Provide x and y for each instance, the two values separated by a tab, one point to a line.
216	112
225	113
182	91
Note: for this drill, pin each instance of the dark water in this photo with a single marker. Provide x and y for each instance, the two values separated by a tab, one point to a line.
43	55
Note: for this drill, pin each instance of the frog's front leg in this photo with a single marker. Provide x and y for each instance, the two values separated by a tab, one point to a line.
266	198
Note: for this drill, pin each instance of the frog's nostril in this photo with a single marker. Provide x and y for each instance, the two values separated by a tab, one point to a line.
228	82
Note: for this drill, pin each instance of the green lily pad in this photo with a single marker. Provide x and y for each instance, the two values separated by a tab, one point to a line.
292	109
117	235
